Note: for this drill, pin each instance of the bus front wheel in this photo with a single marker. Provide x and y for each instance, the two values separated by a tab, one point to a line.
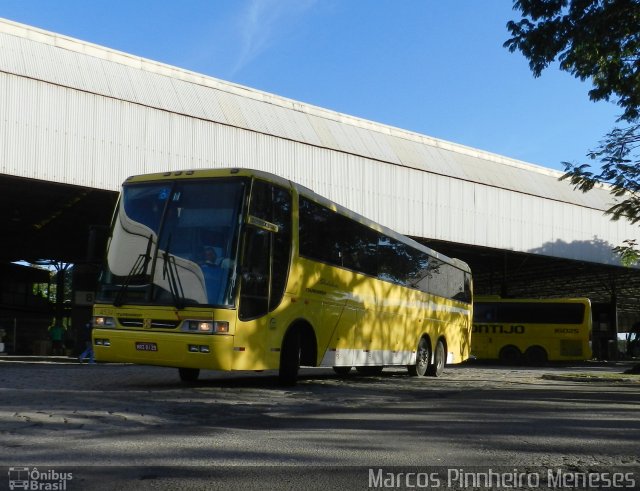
189	374
439	359
423	357
290	358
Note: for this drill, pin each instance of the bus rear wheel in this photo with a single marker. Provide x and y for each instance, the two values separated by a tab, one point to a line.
510	355
189	374
423	357
439	359
290	358
535	355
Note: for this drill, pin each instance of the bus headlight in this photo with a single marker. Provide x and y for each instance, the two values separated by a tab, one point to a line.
102	321
205	327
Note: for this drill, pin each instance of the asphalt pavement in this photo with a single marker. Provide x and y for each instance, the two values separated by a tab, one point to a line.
119	426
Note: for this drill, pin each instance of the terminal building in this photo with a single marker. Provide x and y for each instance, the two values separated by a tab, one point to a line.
77	119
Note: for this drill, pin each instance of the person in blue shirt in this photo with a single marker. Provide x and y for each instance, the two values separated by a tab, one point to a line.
88	344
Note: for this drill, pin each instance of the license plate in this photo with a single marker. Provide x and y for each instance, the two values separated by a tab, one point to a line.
146	346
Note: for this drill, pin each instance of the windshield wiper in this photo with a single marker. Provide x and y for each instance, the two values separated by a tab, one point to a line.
139	269
170	269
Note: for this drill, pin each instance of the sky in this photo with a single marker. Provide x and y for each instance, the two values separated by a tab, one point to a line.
433	67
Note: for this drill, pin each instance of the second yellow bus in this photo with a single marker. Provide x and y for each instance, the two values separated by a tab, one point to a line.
531	330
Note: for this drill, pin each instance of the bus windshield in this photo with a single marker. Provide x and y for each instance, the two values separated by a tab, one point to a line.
174	243
529	312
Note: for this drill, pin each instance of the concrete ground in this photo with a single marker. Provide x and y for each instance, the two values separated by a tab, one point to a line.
116	426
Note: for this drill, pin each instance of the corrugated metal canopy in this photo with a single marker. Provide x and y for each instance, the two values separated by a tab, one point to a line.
33	53
82	117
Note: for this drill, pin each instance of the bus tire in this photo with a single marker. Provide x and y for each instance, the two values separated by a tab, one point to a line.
342	371
439	359
423	358
189	374
535	355
290	359
369	370
510	355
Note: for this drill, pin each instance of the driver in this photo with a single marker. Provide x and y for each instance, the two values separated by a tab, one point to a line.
210	257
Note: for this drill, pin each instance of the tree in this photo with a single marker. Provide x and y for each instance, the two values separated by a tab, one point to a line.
599	41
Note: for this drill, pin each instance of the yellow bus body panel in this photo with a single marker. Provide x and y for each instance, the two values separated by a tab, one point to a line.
376	322
172	349
356	320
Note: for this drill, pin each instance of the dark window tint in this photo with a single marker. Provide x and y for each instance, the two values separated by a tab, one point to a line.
267	254
254	292
529	313
335	239
281	247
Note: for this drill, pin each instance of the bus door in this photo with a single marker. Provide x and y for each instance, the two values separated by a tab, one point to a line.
264	270
367	334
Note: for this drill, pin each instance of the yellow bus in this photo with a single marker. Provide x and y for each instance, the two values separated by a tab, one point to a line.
531	330
237	269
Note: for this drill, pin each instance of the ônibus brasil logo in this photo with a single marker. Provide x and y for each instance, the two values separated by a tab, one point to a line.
33	479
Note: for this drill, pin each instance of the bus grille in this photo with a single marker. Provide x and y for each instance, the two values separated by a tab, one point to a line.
570	347
155	323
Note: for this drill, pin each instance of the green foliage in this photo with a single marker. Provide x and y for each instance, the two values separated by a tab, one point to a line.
619	159
41	290
629	253
596	40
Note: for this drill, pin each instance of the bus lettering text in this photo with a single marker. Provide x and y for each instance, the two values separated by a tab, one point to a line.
498	329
